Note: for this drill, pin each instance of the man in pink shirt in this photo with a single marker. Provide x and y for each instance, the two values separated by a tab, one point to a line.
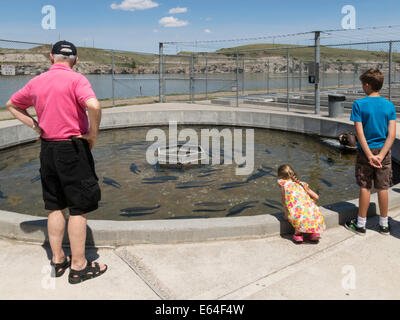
61	97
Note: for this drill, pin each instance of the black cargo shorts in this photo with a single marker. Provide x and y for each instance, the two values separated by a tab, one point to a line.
68	176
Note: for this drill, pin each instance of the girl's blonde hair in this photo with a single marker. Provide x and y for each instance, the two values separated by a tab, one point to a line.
286	172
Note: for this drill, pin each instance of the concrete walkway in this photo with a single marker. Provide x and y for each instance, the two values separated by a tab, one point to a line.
342	266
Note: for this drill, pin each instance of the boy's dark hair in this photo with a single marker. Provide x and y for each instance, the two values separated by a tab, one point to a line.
374	78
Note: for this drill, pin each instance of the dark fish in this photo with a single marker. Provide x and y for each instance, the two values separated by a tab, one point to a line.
2	167
134	168
111	182
139	209
189	217
35	179
128	145
268	168
160	179
326	182
138	214
257	175
208	210
193	184
271	206
296	143
2	196
327	160
240	207
209	170
267	151
211	204
205	175
231	185
293	147
274	202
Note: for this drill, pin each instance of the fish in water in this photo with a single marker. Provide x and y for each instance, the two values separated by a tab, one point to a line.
274	202
2	196
240	207
208	210
231	185
160	179
134	168
139	209
259	174
267	151
327	160
2	167
205	175
211	204
268	168
138	214
35	179
326	182
296	143
193	184
271	206
189	217
111	182
209	170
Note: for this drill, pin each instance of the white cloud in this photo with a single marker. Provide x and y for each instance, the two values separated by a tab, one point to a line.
207	31
177	10
172	22
132	5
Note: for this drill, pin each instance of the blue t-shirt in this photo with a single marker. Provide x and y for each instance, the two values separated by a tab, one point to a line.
375	114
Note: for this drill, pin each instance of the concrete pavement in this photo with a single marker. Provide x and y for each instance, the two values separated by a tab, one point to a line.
342	266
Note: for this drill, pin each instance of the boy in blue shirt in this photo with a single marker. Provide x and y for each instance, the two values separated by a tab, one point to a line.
375	123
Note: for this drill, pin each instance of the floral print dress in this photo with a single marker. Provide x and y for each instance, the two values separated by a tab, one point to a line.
304	215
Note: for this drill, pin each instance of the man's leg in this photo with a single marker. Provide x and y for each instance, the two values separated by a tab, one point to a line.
56	229
77	240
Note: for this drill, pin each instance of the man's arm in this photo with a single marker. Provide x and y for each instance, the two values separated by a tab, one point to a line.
389	140
94	113
373	160
23	116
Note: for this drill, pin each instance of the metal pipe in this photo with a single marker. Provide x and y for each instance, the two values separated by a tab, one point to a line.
287	80
112	78
317	62
390	69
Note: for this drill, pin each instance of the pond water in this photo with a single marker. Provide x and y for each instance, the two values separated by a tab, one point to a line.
133	189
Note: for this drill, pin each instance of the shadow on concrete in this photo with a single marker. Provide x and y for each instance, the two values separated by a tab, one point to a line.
394	228
347	211
285	228
41	226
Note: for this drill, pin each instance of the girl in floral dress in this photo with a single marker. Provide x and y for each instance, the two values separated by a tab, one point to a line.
299	204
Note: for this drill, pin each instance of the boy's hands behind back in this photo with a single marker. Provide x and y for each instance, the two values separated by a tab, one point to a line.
375	161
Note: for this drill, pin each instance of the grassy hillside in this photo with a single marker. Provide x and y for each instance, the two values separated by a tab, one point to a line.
327	53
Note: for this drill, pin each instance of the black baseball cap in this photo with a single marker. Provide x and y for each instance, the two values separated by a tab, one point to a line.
65	48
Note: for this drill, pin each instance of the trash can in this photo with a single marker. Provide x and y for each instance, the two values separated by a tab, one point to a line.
335	106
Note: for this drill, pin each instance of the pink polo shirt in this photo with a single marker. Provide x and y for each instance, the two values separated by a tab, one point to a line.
59	97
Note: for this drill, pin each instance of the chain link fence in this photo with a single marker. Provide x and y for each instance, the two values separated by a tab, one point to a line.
274	75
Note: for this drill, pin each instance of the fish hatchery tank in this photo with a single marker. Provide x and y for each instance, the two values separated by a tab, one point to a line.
134	189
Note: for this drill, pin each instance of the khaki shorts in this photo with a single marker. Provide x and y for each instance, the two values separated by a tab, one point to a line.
366	174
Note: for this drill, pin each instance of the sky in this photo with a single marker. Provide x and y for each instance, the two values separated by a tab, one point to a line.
139	25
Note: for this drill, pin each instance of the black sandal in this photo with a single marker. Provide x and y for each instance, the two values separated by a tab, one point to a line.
90	272
59	268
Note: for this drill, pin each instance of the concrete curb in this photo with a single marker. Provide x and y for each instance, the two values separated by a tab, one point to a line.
117	233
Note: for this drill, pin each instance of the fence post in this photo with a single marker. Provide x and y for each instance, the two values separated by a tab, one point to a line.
317	62
237	79
191	89
292	72
112	78
243	77
268	77
206	77
161	72
340	74
287	80
300	74
390	68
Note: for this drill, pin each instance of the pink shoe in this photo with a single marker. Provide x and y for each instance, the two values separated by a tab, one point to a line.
314	236
298	238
